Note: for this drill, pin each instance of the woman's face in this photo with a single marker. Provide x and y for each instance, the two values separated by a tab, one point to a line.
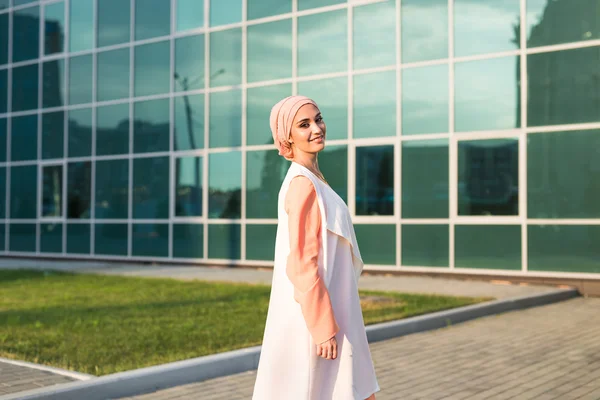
308	131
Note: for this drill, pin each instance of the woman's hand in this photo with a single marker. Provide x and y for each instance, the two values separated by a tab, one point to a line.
328	349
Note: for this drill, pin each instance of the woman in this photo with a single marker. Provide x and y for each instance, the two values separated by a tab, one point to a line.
315	345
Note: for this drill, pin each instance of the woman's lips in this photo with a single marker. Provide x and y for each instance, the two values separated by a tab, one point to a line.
318	139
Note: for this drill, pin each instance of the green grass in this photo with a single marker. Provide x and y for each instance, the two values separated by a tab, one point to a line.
105	324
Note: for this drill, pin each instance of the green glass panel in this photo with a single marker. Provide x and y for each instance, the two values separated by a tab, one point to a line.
26	34
110	239
51	236
225	119
224	241
3	139
188	240
487	95
189	63
488	246
488	177
307	4
112	189
226	57
151	126
332	97
188	186
425	245
377	243
3	90
152	18
189	122
80	132
329	30
52	191
189	14
375	180
79	189
564	248
224	185
78	238
2	194
113	75
112	129
4	32
54	28
53	88
81	29
24	138
425	100
17	3
562	174
151	188
260	242
260	100
80	79
425	179
424	30
374	29
114	22
333	163
22	237
23	191
152	70
375	105
53	135
150	240
2	237
270	51
4	4
268	8
265	171
25	84
563	87
223	12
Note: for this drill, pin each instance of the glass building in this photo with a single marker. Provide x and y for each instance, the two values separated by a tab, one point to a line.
464	135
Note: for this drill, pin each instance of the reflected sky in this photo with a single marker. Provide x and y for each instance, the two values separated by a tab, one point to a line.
81	30
152	69
113	75
152	18
322	42
331	95
424	30
114	19
375	105
270	51
189	14
80	79
260	101
223	12
374	35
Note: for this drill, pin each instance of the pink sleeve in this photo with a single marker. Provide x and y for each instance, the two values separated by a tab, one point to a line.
302	264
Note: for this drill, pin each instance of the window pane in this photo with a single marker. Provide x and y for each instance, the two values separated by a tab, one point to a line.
17	3
81	31
25	88
488	246
563	87
24	138
150	240
375	180
306	4
114	21
377	243
270	51
52	191
189	63
425	176
224	241
151	188
112	129
22	237
329	30
488	177
80	132
190	14
152	18
374	32
267	8
51	236
562	174
53	135
3	210
53	88
3	91
375	105
112	189
188	240
332	97
225	185
260	100
333	162
260	242
152	69
188	187
189	122
225	119
78	238
113	75
425	100
54	29
487	95
23	192
110	239
26	36
564	248
79	190
80	79
3	139
265	171
424	30
151	126
425	245
226	57
3	38
223	12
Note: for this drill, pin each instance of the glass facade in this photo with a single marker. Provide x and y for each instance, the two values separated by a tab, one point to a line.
463	136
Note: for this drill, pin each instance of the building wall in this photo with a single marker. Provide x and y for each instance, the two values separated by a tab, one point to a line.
464	135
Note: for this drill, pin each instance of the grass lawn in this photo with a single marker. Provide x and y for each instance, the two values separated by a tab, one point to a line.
105	324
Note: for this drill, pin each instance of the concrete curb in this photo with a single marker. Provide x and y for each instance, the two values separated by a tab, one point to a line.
159	377
57	371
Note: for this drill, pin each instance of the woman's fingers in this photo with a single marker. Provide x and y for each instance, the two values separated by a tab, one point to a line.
327	350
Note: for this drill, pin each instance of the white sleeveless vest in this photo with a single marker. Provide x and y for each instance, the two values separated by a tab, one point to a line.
289	367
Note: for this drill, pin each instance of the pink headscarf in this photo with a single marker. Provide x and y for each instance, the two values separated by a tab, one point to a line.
282	116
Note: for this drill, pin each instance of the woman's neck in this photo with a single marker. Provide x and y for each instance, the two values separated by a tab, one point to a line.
308	162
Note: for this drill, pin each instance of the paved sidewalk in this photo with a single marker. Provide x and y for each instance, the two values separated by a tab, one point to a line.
16	378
